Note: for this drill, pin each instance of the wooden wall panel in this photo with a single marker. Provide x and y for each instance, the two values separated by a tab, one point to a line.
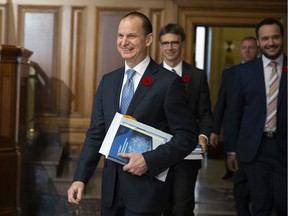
77	60
3	25
7	112
157	19
9	187
39	32
108	58
7	98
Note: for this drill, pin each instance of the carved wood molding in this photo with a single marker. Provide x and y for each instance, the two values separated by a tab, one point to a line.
223	15
3	23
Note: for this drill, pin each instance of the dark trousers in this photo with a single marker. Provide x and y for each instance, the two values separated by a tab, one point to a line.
182	188
267	179
119	208
241	193
124	212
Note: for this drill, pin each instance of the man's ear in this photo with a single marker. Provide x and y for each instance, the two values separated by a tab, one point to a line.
149	39
183	44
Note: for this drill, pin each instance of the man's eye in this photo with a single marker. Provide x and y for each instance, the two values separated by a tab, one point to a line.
165	43
172	43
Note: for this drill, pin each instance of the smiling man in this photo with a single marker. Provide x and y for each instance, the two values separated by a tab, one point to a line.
184	174
257	125
159	100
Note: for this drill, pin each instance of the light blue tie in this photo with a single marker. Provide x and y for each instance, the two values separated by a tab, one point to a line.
127	92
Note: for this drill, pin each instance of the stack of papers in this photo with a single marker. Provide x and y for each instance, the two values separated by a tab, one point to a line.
197	154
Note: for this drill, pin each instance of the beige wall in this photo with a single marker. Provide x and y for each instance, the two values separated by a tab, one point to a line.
73	44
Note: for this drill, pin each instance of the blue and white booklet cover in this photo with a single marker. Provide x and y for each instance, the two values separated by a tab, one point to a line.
126	135
129	140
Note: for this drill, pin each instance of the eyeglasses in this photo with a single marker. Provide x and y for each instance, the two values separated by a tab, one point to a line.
172	43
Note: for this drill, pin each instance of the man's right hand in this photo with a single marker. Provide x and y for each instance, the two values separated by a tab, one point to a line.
232	163
214	139
75	192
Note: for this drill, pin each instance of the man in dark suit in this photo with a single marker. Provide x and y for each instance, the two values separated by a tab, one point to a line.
159	101
249	51
184	174
257	131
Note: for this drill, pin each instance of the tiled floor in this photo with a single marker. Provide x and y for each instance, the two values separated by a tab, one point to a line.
213	195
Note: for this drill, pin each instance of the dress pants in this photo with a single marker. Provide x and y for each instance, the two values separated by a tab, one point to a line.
267	178
119	209
241	193
182	185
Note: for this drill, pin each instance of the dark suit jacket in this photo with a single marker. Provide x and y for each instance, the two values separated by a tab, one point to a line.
224	96
247	113
199	97
162	105
196	86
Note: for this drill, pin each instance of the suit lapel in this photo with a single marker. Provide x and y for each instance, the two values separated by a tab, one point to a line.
283	84
186	72
259	79
117	86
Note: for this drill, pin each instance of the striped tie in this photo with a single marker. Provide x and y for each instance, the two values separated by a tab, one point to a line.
272	97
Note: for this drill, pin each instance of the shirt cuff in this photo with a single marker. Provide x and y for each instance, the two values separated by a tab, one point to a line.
202	135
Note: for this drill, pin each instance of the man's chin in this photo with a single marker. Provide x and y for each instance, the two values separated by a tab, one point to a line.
272	55
126	56
170	57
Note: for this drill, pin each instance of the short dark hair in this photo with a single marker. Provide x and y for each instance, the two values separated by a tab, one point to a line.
173	29
249	38
269	21
147	26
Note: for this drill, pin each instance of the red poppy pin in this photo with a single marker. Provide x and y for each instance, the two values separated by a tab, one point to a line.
284	69
185	78
147	81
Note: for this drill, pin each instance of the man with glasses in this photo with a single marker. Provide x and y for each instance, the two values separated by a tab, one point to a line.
184	174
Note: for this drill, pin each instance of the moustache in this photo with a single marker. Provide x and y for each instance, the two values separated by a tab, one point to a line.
273	46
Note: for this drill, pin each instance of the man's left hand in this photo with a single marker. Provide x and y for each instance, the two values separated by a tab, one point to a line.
203	142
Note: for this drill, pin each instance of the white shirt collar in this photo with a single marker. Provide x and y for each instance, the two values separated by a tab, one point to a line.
177	68
267	61
141	67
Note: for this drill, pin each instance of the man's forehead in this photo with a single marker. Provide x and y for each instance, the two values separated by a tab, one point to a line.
269	29
170	35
